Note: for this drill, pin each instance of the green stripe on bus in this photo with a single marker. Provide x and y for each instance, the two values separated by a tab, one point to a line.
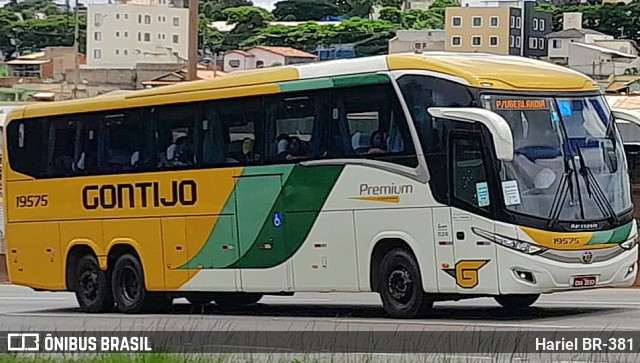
305	85
341	81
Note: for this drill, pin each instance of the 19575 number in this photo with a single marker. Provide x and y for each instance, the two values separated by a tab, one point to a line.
32	201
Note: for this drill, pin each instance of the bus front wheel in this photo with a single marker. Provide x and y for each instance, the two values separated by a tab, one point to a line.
129	291
516	302
400	285
93	289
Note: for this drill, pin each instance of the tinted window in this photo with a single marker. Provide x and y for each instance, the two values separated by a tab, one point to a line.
175	128
233	132
370	123
421	93
63	139
25	140
469	175
297	126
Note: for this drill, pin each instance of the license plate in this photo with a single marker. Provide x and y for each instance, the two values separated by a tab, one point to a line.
584	281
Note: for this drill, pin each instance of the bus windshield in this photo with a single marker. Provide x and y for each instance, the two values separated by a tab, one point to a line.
568	160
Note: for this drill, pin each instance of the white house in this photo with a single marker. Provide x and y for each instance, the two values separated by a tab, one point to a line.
417	40
572	32
263	56
141	31
598	62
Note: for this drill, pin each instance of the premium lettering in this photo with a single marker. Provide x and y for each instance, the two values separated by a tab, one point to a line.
139	195
392	189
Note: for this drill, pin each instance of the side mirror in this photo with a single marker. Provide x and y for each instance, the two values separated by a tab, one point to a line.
497	125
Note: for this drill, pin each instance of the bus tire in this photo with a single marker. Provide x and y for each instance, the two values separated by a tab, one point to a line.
236	299
93	288
129	291
516	301
400	285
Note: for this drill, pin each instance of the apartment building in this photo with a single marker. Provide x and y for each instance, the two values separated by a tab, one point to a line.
495	30
124	34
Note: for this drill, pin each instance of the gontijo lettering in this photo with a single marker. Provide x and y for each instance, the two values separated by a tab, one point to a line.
142	194
521	104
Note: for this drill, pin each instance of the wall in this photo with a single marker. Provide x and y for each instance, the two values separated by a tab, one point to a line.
563	50
516	24
595	63
119	33
123	78
245	62
621	45
62	58
537	24
267	57
466	31
402	44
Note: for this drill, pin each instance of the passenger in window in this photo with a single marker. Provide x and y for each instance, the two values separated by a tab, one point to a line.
296	150
360	143
378	143
282	146
248	152
180	153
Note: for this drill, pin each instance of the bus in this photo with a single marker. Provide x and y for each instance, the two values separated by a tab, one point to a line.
422	177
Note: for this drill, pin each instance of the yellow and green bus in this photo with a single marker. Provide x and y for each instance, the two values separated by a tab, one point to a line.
423	177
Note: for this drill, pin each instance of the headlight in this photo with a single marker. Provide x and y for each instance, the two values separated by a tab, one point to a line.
630	243
514	244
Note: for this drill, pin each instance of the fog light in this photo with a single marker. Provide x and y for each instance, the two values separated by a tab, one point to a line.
525	276
631	269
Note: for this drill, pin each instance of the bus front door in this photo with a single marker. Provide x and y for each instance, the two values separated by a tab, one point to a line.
475	267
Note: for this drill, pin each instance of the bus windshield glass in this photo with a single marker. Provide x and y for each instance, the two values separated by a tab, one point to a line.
568	158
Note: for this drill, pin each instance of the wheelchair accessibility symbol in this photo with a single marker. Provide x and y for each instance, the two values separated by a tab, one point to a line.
277	219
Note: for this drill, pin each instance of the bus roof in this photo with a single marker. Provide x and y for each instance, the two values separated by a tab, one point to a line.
479	70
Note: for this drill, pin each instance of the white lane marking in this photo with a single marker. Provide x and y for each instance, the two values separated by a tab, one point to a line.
31	298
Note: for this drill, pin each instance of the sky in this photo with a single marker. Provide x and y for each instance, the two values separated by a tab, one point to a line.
267	4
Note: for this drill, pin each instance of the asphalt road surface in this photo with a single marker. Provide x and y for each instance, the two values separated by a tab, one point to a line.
22	309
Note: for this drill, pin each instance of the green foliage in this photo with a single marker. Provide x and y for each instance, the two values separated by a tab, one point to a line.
247	14
304	9
212	9
210	38
391	14
3	71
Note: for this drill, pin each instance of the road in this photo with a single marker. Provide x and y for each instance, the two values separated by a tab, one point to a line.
22	309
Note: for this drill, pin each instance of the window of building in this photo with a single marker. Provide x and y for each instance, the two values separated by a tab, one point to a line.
176	39
476	21
117	34
518	42
512	22
97	53
542	25
97	19
176	21
117	51
259	64
456	21
159	19
159	36
117	16
147	37
97	36
126	34
493	41
535	24
476	41
518	22
556	43
125	52
512	41
139	36
147	19
541	43
234	63
139	18
533	43
456	41
494	21
126	16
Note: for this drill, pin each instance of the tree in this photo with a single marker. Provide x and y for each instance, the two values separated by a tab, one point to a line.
210	39
6	19
212	9
391	14
304	9
249	21
36	34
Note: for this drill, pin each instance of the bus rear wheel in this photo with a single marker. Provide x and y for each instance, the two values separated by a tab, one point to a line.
129	291
516	302
236	299
400	285
93	289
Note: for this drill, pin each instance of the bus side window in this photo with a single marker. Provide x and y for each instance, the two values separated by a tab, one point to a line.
63	141
123	139
25	140
176	129
242	123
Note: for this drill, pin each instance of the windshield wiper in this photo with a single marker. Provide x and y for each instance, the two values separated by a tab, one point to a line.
566	185
593	188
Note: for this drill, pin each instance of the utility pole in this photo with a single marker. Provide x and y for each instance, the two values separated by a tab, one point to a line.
193	40
76	49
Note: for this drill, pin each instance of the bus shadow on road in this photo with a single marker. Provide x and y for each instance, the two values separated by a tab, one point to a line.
364	312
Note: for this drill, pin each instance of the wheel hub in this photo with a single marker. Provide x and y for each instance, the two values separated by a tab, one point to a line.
89	285
399	284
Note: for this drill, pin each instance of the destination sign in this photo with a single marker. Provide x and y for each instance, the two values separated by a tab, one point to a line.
521	104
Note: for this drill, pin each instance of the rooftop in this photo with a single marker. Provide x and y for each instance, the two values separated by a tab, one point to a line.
285	51
604	50
573	33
